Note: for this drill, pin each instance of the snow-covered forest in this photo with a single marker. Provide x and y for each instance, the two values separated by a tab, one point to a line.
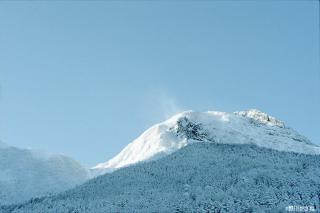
26	173
201	177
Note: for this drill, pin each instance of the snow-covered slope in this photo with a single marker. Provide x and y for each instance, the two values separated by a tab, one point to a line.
25	174
246	127
201	177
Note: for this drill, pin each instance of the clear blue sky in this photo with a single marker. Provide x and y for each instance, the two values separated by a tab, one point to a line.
86	78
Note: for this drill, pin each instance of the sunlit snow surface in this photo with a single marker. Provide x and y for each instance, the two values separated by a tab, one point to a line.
221	162
245	127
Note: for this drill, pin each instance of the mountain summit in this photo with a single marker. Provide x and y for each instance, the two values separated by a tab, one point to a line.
244	127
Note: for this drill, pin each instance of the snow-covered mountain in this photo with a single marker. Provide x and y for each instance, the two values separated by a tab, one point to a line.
211	162
25	173
201	177
245	127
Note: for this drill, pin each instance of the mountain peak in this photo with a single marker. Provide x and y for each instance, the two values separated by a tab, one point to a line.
244	127
261	117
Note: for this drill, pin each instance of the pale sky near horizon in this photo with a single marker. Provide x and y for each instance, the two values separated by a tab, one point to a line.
86	78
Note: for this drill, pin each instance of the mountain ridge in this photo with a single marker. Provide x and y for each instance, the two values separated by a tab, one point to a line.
243	127
200	177
25	173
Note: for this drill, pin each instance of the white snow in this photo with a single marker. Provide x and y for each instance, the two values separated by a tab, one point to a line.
25	173
201	177
245	127
218	165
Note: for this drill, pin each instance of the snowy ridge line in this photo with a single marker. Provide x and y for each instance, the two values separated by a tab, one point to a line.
244	127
